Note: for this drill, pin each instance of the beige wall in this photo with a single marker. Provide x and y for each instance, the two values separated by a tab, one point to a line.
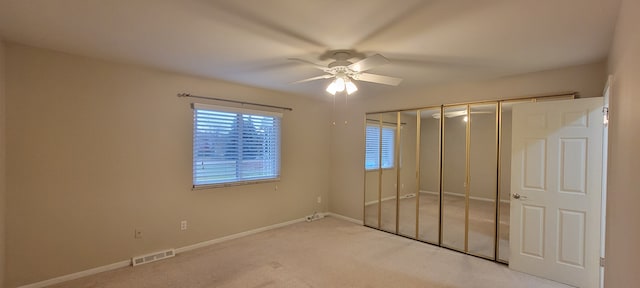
483	156
454	161
97	149
348	139
408	135
429	154
2	164
623	231
482	150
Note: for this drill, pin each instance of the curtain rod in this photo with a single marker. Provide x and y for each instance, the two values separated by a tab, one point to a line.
233	101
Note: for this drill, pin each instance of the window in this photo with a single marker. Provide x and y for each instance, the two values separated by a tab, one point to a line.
234	146
372	157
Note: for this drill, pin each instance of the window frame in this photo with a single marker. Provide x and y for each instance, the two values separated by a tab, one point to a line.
275	163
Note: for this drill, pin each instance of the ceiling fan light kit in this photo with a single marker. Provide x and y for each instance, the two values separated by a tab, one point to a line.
345	72
342	83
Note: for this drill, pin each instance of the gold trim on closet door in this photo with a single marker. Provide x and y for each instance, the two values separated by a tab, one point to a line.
364	196
418	127
467	179
441	175
441	159
542	97
396	155
497	219
380	173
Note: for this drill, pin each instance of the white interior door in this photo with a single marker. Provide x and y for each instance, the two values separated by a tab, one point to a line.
556	188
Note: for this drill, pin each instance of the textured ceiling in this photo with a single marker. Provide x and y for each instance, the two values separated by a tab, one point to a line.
249	41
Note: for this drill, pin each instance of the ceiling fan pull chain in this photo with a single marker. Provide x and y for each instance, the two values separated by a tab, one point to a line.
346	102
333	113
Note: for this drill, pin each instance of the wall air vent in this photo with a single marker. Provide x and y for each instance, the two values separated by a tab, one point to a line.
144	259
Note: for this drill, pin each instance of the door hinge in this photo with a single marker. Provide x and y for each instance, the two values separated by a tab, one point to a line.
605	116
601	261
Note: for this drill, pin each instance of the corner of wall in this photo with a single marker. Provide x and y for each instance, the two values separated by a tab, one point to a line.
2	164
622	232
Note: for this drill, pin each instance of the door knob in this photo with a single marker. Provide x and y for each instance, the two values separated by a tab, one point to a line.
518	196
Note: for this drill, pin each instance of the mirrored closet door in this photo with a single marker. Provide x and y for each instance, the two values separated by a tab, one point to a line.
429	175
372	189
482	183
389	167
454	177
408	180
442	175
381	170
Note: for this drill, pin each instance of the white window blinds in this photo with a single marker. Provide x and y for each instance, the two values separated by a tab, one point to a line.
372	146
234	145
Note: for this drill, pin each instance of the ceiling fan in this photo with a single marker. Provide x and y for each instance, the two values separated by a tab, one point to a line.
346	72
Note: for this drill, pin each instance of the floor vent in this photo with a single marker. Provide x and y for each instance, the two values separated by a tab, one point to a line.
144	259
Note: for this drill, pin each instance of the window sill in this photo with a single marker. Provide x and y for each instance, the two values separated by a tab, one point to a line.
376	169
231	184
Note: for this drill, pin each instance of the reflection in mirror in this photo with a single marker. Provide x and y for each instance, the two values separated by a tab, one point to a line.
389	172
408	171
454	177
483	172
371	205
372	171
505	179
429	190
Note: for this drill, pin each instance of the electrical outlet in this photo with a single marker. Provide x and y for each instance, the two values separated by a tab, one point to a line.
319	199
137	233
183	225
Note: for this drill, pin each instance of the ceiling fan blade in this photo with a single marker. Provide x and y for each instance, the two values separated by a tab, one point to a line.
317	66
368	63
313	78
375	78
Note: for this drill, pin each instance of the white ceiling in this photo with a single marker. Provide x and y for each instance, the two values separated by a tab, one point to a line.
249	41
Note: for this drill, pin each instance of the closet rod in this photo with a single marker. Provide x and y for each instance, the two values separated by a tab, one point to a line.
233	101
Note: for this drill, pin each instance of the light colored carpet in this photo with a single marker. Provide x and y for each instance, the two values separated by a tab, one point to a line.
481	222
326	253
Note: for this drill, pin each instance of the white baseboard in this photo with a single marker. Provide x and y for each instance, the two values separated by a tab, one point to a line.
77	275
482	199
125	263
429	192
381	200
470	197
462	195
356	221
237	235
454	194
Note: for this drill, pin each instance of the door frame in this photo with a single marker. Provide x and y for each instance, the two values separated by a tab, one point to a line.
606	94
